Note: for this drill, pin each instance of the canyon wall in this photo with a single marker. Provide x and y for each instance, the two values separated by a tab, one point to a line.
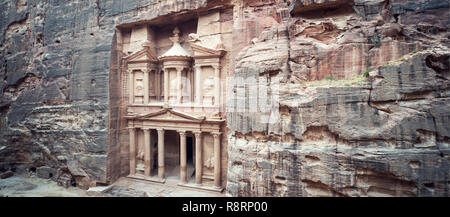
353	100
59	96
325	97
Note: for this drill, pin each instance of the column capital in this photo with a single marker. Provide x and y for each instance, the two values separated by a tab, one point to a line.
146	129
197	133
132	128
216	134
160	130
181	132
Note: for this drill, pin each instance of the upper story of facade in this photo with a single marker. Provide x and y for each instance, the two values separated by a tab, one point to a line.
180	66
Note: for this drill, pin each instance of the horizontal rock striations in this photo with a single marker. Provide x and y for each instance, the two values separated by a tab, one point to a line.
359	107
324	97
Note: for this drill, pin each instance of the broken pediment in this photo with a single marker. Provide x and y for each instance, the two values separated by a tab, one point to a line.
169	115
201	48
143	55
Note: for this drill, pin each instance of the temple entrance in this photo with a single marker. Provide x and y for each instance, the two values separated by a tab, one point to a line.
190	157
172	155
185	150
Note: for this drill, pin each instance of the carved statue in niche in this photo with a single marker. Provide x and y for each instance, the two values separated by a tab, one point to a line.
140	155
173	89
185	89
208	90
139	89
151	84
209	163
140	158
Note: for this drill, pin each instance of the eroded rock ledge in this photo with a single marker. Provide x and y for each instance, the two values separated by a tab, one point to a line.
353	94
363	103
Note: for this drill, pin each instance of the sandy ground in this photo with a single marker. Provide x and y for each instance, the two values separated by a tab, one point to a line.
168	189
31	186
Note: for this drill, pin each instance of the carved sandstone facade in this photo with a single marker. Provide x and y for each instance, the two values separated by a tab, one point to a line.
363	102
174	107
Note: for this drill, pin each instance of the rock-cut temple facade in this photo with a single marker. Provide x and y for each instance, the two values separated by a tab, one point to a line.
295	98
174	110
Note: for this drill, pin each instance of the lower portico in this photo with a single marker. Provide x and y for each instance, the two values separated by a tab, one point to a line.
162	125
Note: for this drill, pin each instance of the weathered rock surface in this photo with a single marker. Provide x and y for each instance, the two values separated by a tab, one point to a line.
6	174
55	67
301	6
45	172
387	135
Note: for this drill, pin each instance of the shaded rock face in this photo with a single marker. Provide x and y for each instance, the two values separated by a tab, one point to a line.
55	70
388	135
296	127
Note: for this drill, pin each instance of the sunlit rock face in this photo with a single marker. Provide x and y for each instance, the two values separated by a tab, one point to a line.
361	91
321	97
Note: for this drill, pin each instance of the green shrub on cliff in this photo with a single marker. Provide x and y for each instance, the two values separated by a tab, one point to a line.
366	72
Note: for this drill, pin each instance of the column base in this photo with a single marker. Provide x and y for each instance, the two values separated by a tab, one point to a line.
202	187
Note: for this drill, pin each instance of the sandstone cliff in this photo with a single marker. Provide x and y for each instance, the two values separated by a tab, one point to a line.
57	61
351	96
362	92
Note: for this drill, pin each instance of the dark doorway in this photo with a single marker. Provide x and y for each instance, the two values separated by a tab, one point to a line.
189	149
190	157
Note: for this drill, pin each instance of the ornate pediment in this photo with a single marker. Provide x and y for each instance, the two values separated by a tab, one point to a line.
202	50
168	114
144	55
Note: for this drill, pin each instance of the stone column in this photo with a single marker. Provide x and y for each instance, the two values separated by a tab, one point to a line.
131	86
217	85
183	159
198	158
161	85
147	151
217	159
157	82
132	150
179	99
166	86
160	153
198	85
146	86
190	81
